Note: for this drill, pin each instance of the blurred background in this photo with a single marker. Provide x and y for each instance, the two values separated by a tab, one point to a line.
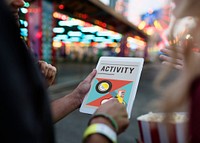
73	34
82	31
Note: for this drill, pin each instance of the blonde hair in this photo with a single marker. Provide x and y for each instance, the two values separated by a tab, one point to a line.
176	93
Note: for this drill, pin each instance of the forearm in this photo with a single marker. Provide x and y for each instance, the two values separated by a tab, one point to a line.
63	106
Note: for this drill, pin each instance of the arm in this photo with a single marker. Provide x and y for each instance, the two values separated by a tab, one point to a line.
65	105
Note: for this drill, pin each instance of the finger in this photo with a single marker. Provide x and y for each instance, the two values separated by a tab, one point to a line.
91	75
176	66
165	58
179	49
40	62
121	107
51	72
124	111
170	53
49	79
46	70
115	100
171	60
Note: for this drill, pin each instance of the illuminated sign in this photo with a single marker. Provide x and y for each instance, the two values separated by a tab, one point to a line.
107	2
70	29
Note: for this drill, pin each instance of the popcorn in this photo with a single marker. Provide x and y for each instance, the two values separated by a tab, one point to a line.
159	117
154	130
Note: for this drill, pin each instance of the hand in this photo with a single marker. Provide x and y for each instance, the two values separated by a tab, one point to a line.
115	110
168	56
48	71
83	87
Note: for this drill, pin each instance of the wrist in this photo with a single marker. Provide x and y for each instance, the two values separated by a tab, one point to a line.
101	120
99	132
106	119
74	101
77	97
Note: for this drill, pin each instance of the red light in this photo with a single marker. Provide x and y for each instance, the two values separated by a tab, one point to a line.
39	35
61	6
104	24
85	16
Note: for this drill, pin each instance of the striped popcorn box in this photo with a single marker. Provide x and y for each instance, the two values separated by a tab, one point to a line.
153	130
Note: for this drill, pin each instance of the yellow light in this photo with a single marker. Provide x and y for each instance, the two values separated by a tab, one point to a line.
157	25
128	45
60	16
136	41
129	39
117	50
57	44
137	37
114	44
55	15
67	50
142	25
150	31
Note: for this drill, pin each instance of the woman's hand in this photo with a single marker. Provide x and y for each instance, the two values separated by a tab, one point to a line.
168	58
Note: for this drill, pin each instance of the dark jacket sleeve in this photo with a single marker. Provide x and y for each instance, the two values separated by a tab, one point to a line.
24	106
